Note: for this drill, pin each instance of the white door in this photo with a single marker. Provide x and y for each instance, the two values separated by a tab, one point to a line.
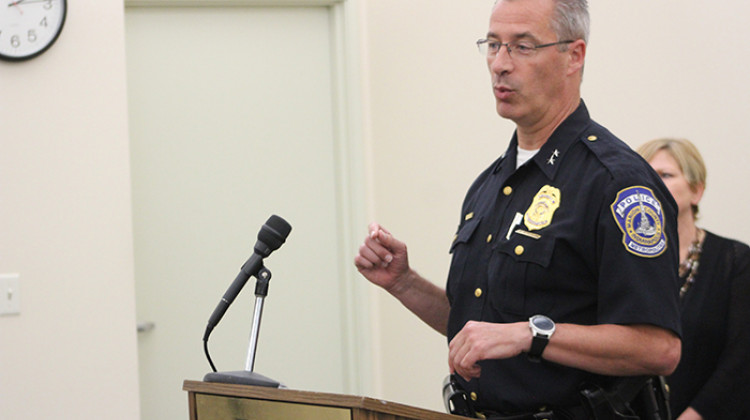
232	119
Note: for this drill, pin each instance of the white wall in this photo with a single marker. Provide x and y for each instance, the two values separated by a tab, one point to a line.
431	128
65	225
666	68
654	68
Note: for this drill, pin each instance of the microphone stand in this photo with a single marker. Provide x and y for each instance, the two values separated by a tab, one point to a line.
247	376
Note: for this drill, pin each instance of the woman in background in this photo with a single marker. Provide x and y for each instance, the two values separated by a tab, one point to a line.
712	380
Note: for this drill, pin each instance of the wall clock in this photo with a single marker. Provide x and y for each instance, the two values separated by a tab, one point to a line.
29	27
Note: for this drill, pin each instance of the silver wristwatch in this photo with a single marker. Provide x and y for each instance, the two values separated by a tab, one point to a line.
542	329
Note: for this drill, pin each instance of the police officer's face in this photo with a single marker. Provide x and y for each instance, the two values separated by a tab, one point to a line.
526	88
682	192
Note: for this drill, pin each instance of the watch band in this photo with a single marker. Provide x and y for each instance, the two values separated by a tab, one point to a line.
538	343
542	329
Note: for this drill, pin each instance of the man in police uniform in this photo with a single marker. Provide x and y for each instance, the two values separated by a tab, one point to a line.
564	269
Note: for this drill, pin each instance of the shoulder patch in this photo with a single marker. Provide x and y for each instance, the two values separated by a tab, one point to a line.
640	218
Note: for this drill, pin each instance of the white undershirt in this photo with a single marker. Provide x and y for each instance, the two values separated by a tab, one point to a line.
524	156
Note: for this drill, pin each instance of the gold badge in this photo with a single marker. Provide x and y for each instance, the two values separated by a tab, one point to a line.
539	214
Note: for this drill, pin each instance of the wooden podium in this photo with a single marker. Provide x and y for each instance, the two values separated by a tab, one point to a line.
218	401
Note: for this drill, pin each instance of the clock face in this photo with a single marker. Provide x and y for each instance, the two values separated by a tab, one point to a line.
29	27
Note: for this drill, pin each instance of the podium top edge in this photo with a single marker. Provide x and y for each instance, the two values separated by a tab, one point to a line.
312	397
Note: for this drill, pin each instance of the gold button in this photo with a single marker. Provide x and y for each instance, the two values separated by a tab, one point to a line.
469	216
489	238
455	237
593	138
507	190
519	250
478	292
473	396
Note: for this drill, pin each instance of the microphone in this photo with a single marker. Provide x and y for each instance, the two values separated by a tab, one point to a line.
271	236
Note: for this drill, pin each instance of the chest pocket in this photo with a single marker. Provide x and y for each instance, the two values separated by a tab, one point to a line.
465	232
520	273
460	251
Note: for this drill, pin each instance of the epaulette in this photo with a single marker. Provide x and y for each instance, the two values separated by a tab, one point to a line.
612	152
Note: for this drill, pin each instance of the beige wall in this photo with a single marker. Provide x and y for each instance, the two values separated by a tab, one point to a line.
666	68
431	129
65	226
654	68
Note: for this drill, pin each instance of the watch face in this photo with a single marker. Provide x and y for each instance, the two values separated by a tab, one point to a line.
543	323
29	27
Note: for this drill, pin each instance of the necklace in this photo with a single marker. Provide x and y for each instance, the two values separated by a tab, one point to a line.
689	267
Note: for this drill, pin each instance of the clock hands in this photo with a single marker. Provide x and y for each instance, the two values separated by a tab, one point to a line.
17	2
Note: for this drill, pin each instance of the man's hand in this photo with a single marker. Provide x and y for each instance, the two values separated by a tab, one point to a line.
479	341
690	414
382	258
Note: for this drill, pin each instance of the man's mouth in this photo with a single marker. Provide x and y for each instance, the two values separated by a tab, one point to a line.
503	92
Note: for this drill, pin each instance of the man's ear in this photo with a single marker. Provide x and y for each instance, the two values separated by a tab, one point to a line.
577	54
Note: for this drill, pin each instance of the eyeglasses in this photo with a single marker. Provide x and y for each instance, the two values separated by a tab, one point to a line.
522	49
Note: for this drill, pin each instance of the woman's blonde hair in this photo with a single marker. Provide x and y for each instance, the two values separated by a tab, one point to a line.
687	156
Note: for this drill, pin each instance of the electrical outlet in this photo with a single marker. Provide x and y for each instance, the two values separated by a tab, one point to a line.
10	294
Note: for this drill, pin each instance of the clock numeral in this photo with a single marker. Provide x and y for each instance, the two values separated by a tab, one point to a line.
29	27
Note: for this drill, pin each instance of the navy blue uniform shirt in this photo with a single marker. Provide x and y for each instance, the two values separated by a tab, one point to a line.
585	232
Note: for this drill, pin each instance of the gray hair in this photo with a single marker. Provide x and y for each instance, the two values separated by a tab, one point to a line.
571	20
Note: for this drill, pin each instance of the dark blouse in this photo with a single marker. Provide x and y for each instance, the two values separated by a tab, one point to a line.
713	376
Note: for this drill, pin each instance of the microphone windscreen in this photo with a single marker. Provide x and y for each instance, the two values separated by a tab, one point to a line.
274	232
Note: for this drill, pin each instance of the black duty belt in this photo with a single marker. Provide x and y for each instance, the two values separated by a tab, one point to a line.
567	413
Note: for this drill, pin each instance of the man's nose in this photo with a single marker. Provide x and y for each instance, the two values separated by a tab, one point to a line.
501	62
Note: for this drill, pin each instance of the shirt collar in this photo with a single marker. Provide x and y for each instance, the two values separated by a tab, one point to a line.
552	152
